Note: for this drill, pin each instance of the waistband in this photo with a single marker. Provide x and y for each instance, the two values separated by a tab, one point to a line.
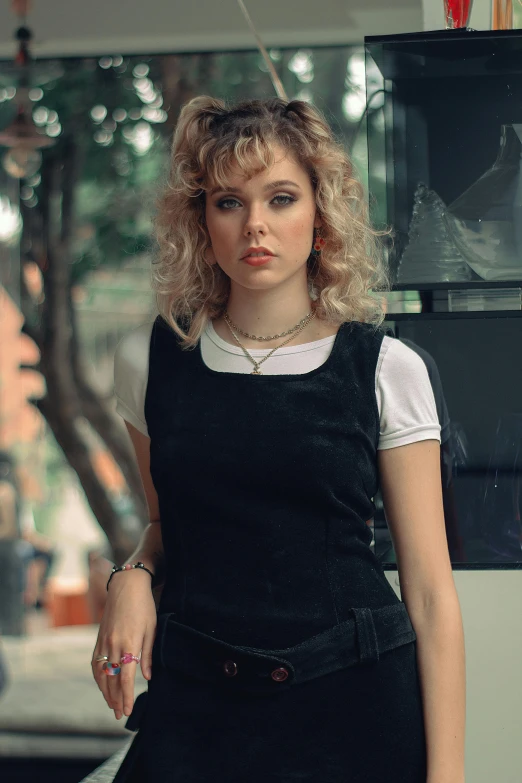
360	640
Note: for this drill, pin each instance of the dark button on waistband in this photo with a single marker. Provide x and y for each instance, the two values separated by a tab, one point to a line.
279	675
230	668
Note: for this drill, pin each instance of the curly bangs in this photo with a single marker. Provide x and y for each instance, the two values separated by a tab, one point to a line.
211	139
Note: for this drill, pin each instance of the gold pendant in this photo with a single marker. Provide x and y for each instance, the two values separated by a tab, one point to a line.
256	372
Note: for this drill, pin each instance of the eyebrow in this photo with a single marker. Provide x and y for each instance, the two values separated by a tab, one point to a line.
269	186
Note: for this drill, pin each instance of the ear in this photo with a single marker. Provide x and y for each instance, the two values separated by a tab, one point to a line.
318	220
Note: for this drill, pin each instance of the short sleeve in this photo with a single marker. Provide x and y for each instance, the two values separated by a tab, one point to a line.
405	397
436	385
131	372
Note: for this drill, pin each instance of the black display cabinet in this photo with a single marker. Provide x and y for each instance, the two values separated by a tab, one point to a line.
452	129
445	173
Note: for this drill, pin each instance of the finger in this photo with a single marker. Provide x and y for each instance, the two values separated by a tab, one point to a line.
99	676
96	665
146	655
127	677
103	684
112	677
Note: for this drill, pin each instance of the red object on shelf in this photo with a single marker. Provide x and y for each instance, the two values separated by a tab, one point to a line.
457	12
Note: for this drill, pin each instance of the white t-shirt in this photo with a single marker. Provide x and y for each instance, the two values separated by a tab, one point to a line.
405	398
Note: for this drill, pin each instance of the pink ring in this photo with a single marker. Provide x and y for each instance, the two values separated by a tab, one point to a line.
129	658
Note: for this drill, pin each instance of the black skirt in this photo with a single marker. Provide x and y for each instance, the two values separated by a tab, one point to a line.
360	723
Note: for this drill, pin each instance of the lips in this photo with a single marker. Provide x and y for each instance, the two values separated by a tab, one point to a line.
257	260
257	251
255	256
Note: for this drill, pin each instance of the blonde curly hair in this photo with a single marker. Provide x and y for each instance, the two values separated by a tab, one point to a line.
209	139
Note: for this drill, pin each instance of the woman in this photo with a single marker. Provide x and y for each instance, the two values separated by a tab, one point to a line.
265	405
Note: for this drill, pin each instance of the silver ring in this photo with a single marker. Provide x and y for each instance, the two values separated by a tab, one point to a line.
100	658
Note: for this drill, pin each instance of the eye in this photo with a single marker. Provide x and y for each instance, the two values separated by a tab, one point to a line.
283	200
227	203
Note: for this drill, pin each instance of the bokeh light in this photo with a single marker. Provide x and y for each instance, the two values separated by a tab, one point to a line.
119	115
10	222
36	94
302	65
98	113
140	71
21	162
54	129
40	115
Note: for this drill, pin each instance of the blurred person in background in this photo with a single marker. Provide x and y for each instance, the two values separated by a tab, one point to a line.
39	556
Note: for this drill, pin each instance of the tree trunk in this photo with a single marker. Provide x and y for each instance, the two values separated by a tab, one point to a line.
70	440
64	405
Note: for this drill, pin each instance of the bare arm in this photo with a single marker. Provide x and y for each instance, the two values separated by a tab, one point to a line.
150	547
412	496
129	619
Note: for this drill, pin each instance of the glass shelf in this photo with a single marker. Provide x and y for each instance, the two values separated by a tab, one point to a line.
445	173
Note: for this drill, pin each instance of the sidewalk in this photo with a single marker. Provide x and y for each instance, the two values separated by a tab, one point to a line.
52	705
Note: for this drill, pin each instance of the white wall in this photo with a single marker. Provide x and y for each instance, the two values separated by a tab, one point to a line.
127	26
490	602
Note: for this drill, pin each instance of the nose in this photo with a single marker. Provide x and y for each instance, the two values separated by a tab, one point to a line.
255	223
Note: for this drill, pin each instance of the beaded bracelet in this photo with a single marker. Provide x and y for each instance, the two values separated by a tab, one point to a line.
128	567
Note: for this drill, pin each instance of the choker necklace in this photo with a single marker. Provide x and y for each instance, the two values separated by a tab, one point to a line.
274	337
296	329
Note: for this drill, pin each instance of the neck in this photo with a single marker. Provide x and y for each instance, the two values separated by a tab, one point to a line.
269	314
266	313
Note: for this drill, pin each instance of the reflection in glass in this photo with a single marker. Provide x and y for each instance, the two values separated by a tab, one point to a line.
479	235
480	412
431	254
488	225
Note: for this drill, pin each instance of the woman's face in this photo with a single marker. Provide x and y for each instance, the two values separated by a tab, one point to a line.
274	210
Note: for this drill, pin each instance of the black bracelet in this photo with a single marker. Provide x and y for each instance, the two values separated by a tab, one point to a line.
128	567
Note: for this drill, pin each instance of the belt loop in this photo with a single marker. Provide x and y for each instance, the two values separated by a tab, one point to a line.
366	635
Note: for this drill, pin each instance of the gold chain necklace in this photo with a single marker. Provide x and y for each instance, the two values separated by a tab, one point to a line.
274	336
256	370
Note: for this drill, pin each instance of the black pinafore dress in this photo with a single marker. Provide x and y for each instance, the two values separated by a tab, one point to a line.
282	653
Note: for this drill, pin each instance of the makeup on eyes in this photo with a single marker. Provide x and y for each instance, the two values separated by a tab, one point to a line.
282	183
290	200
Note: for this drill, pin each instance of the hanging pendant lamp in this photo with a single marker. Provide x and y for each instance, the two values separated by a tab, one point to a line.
21	136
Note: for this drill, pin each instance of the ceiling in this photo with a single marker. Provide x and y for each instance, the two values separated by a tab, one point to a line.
127	26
